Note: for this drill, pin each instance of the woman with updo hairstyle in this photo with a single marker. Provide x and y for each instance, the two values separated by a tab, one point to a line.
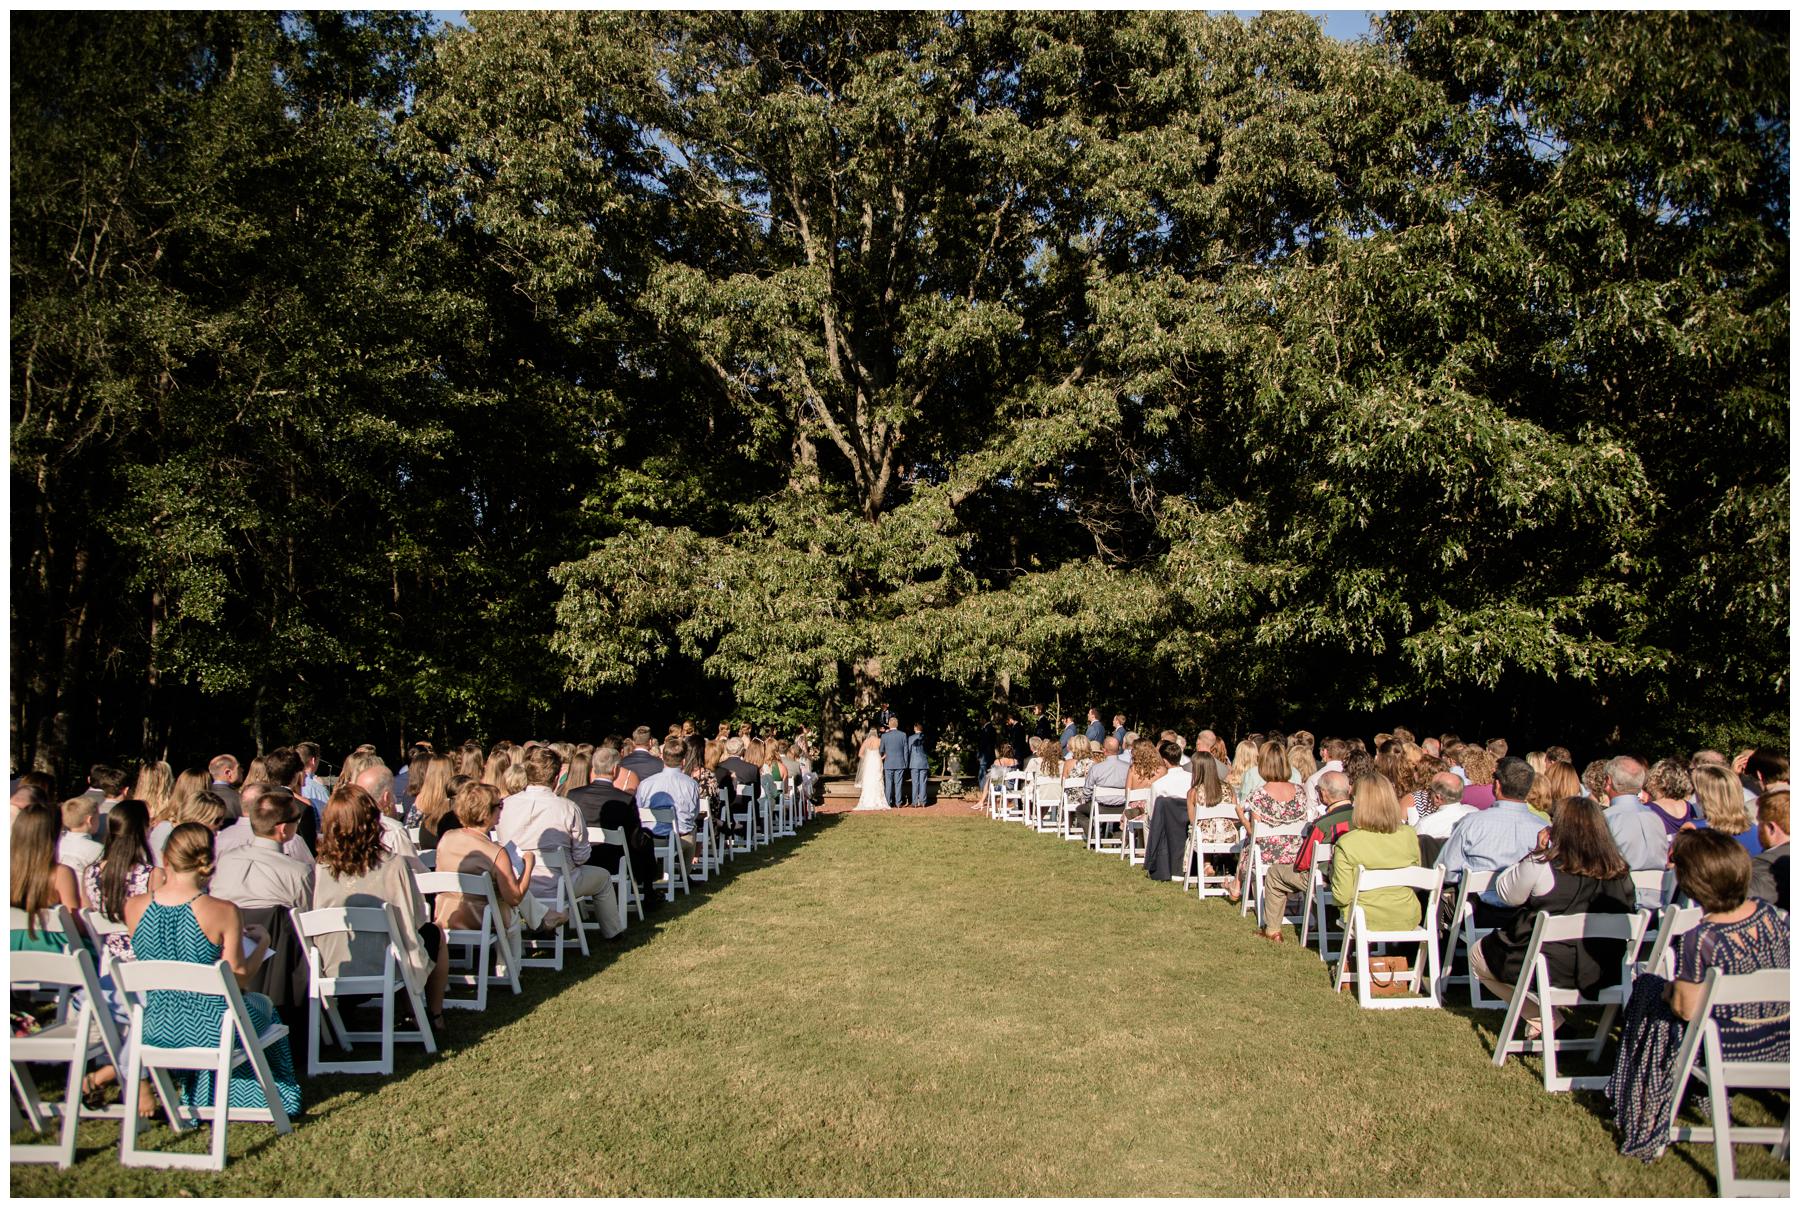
1736	934
38	881
1721	797
356	869
1668	784
180	921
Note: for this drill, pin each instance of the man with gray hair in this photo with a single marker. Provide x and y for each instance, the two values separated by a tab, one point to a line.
1443	808
1105	782
1635	827
377	780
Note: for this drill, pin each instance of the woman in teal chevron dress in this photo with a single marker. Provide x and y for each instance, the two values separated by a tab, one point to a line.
182	922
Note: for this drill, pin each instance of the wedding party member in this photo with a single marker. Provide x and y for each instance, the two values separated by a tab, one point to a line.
893	763
1736	934
918	763
180	921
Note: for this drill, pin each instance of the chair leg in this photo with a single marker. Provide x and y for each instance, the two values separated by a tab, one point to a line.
387	1029
221	1105
1718	1097
72	1109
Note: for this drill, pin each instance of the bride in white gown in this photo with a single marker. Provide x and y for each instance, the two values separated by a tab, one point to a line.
868	775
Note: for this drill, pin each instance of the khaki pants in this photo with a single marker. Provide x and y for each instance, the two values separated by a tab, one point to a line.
592	881
1281	881
1502	990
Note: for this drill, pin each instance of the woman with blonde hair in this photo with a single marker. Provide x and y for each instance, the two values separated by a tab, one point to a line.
1538	761
1558	780
1378	838
469	761
494	771
1244	778
175	806
1081	756
1303	763
1721	798
155	785
431	797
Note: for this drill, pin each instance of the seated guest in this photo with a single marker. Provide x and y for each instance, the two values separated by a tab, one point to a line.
224	772
536	819
356	869
494	772
123	870
1576	869
1559	780
107	786
1769	867
187	785
1636	828
431	798
1104	783
1146	765
1722	806
1378	838
1277	801
259	873
1443	807
238	834
1081	757
1282	881
1668	785
78	848
38	881
603	804
641	761
1495	838
181	921
467	849
1004	761
1736	934
1167	827
674	789
378	782
1478	766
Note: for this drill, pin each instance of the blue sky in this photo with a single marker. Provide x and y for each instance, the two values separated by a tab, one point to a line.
1343	24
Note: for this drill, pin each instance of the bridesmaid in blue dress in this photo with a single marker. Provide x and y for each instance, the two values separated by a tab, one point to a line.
181	922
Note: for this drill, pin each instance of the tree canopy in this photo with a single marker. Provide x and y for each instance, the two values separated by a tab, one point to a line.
379	379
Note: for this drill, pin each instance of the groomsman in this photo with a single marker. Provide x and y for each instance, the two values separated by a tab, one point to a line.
893	762
918	763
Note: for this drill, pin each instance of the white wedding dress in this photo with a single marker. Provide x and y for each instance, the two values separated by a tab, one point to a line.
868	776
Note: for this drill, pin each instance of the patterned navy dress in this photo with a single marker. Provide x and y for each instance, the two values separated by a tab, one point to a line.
1642	1082
178	1019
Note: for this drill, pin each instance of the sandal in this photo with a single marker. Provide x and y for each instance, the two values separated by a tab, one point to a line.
93	1096
1277	938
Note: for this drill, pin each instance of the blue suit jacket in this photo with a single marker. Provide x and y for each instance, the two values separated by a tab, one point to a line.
893	751
916	756
1096	732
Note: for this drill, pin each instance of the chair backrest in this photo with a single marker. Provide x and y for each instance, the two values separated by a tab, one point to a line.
613	836
1560	928
100	926
1263	830
1411	877
1676	921
663	813
1648	883
1321	857
428	858
475	885
1765	985
1134	796
42	969
335	919
186	977
597	834
1073	782
53	920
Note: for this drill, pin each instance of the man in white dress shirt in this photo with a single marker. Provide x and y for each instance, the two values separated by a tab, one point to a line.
536	819
1335	750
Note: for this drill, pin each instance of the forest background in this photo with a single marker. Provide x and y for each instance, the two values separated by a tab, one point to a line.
375	379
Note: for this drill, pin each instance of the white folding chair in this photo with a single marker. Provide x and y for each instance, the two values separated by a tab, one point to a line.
1071	789
428	857
721	808
323	993
787	807
1359	937
1194	867
82	1031
1700	1056
236	1043
412	832
487	949
1673	923
668	850
100	927
1015	788
1131	828
1463	929
993	796
1253	891
1318	900
1648	886
1535	981
531	946
1046	804
1100	816
743	813
625	887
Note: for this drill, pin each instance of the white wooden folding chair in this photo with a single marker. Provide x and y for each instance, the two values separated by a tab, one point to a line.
788	805
704	833
235	1043
1318	901
1648	887
1673	922
323	993
743	814
1100	816
1193	868
625	887
83	1031
1131	828
1359	937
532	946
1535	981
100	927
668	850
1071	789
487	952
1700	1056
1015	789
1253	890
1464	931
1046	804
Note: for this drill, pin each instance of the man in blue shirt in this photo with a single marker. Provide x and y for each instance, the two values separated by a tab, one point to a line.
1500	836
1635	827
1068	731
1096	731
1119	728
312	788
673	789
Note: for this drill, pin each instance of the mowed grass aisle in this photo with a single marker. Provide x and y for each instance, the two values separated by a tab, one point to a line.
925	1005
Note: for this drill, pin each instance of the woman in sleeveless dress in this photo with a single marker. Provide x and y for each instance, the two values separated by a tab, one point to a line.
181	922
868	775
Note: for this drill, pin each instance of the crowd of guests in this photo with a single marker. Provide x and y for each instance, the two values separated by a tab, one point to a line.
1558	839
206	862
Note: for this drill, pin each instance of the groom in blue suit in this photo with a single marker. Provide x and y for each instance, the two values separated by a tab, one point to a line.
893	762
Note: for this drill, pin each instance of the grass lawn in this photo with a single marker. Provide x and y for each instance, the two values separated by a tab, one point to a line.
929	1005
